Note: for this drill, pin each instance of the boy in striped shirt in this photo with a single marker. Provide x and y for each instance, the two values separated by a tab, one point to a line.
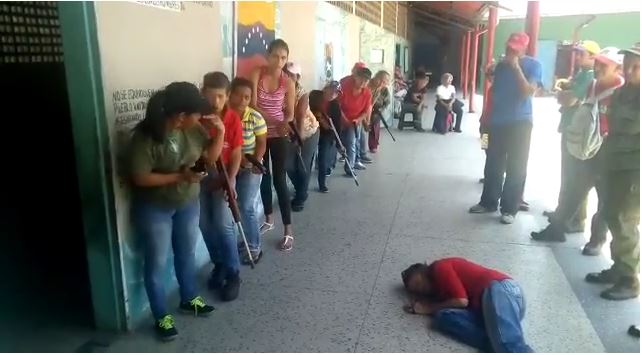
248	181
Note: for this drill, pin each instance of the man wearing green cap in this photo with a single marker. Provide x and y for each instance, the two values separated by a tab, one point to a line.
569	98
622	205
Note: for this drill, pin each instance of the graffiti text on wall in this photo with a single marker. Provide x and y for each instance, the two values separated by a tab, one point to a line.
165	5
130	105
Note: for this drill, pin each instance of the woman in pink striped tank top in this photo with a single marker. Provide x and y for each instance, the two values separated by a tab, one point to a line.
274	97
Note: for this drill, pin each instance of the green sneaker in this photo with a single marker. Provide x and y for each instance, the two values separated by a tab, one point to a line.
198	306
165	328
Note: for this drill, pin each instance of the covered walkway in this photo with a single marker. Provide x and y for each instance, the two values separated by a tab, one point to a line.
339	290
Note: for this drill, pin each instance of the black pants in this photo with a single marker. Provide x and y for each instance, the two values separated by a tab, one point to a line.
327	155
508	150
583	175
278	149
299	176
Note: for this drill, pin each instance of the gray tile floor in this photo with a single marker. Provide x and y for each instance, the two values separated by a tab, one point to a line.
339	289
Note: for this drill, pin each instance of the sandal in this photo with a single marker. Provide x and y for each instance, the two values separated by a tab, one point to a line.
266	227
287	243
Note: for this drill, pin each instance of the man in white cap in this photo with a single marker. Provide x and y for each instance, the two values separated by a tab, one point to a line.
588	173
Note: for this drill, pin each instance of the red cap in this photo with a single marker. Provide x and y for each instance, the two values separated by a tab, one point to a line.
518	41
359	65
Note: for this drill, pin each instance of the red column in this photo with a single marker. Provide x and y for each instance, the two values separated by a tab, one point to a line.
490	44
466	63
473	70
532	27
462	61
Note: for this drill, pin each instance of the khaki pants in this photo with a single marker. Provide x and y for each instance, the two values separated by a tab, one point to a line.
622	210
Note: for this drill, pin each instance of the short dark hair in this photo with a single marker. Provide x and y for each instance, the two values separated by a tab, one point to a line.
278	44
364	73
216	80
420	74
315	100
241	83
413	269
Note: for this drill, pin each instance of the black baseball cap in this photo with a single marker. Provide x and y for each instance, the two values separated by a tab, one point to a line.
185	97
635	50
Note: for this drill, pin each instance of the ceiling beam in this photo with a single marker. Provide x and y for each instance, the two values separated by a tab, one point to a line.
440	18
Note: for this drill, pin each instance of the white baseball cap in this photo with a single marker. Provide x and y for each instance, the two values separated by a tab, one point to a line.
293	68
610	55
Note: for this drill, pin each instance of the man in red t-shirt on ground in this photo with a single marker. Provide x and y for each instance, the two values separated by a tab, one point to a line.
356	103
476	305
216	222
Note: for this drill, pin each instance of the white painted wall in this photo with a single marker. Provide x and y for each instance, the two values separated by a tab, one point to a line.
297	29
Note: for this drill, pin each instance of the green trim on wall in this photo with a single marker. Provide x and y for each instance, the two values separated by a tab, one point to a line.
93	162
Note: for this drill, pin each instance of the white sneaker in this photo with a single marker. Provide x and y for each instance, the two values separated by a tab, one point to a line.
507	219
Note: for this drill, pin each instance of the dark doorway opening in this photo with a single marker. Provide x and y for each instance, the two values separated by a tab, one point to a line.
46	293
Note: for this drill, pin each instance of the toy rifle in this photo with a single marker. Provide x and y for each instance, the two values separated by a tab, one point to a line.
342	149
234	207
257	164
296	139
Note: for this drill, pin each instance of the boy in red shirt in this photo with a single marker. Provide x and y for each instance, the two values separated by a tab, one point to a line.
476	305
355	102
216	222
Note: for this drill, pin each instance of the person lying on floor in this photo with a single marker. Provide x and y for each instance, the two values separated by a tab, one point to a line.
478	306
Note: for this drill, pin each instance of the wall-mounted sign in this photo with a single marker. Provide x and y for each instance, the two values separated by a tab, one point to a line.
165	5
376	56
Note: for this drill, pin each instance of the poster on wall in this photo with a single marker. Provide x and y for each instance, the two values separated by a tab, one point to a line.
255	31
329	69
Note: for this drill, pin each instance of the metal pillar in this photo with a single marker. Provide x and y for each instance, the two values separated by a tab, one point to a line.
490	44
466	63
532	27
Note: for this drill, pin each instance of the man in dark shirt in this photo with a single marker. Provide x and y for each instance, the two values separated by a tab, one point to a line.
479	306
413	102
622	206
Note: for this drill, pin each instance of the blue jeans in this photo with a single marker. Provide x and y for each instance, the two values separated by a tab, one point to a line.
362	146
497	327
248	187
162	228
217	227
350	137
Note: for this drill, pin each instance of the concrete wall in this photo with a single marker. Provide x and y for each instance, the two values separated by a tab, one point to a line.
137	58
297	19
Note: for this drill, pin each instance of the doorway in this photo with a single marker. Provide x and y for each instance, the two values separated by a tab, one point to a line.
45	261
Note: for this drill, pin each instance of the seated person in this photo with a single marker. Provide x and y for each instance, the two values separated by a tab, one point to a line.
413	102
478	306
446	102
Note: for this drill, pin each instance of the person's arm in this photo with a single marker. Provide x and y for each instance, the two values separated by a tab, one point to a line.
259	148
142	168
301	112
526	87
426	307
290	100
215	147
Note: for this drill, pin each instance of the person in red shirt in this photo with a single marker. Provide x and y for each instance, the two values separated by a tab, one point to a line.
216	222
356	104
479	306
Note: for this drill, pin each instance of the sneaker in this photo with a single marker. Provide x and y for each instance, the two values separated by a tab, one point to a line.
625	289
507	218
359	166
232	286
324	189
608	276
342	160
328	172
366	160
165	328
420	130
296	206
478	209
217	276
524	206
198	306
548	235
591	249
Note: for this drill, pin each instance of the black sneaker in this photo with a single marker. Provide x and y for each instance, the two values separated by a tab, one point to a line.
165	328
625	288
608	276
549	235
197	306
324	189
217	277
230	291
296	206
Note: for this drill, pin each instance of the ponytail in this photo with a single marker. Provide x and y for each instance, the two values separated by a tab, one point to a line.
154	123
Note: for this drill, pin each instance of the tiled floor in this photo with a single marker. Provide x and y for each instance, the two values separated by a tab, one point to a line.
339	289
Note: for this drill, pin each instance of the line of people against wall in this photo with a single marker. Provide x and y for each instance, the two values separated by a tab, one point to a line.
229	121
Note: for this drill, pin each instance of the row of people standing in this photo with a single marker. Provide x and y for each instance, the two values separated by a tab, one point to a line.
178	188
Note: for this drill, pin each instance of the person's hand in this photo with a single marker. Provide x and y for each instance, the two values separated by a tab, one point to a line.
283	129
416	307
214	121
190	176
232	189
